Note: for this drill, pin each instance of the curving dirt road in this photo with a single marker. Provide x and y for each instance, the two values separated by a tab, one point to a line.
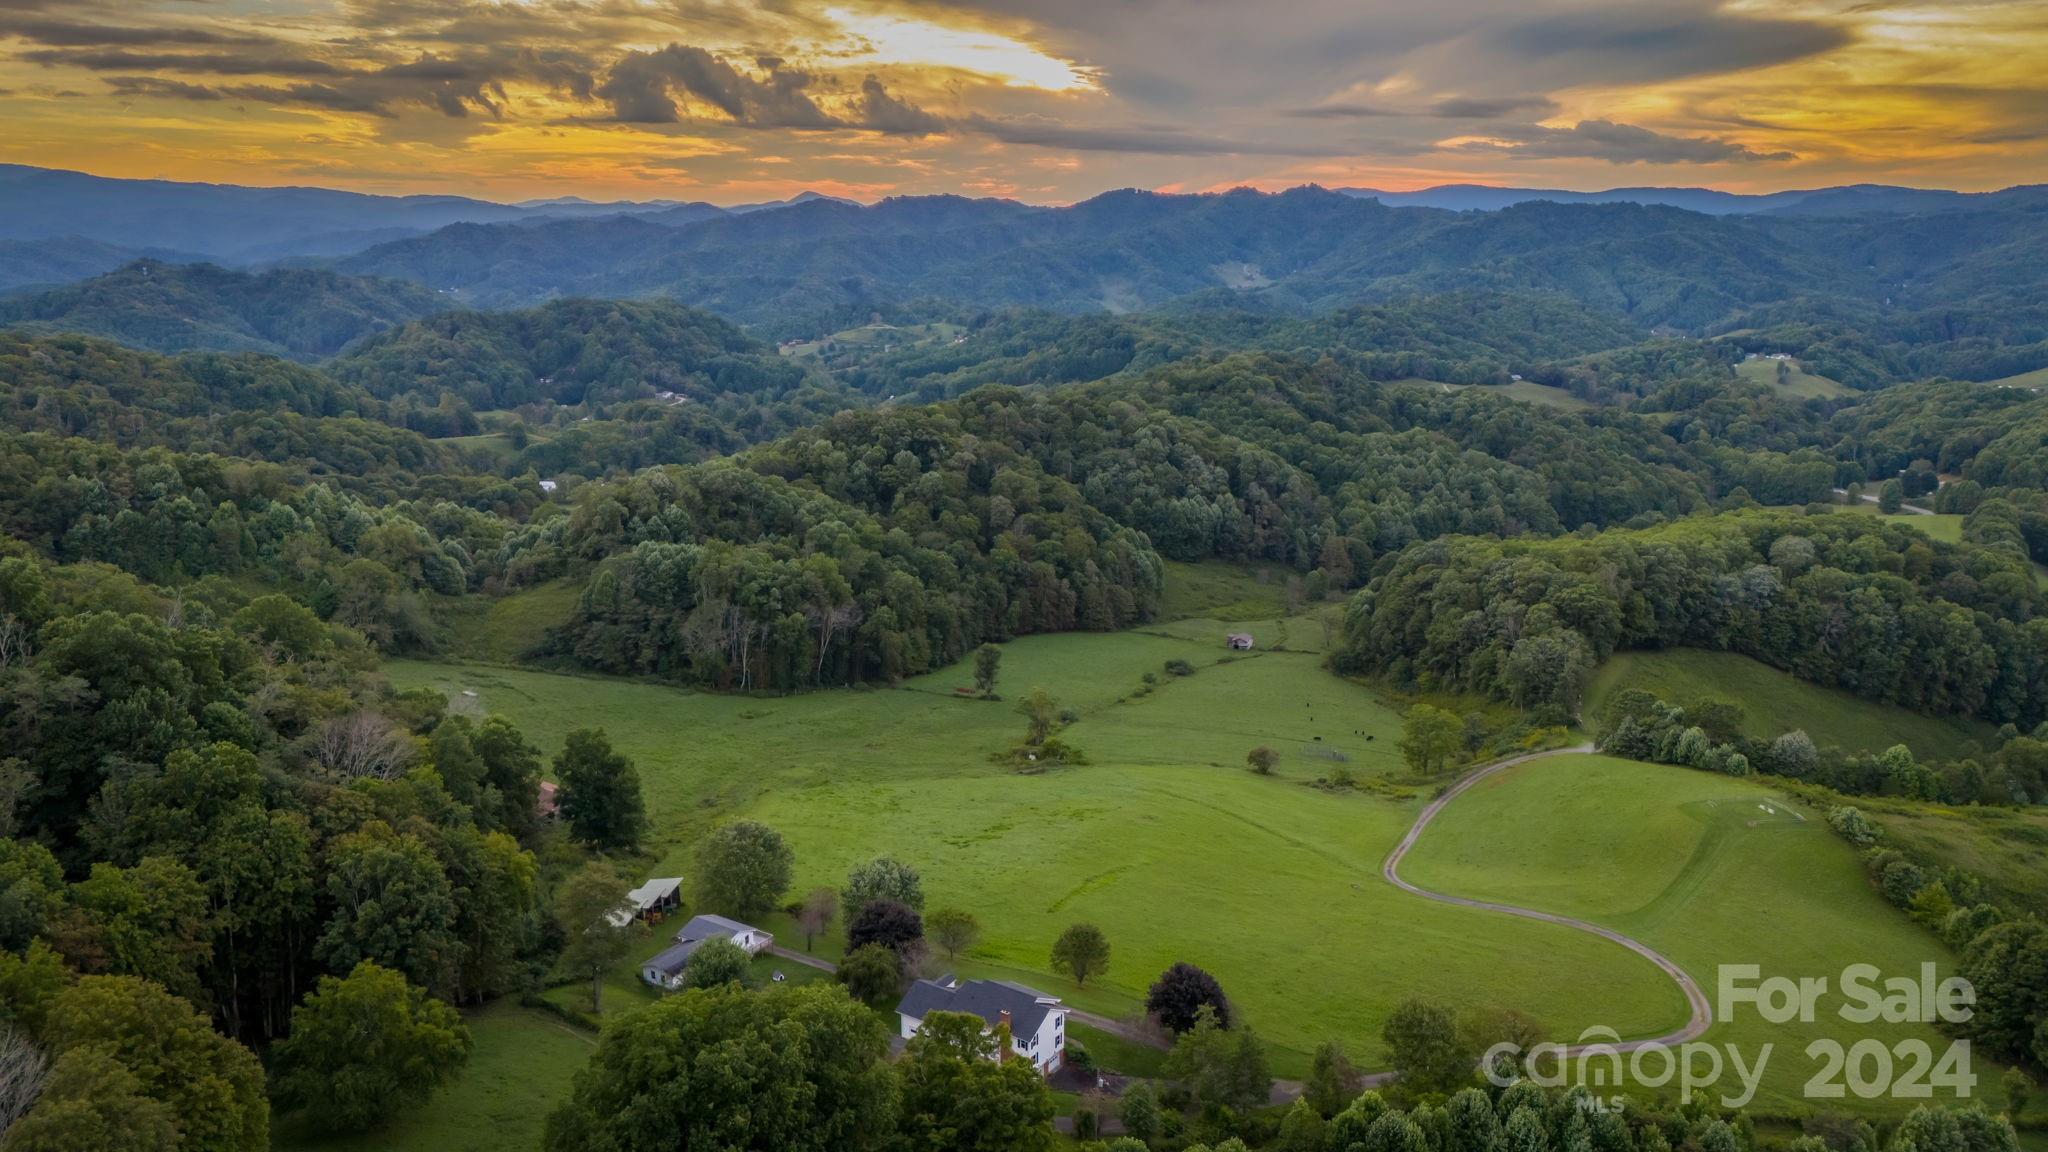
1702	1011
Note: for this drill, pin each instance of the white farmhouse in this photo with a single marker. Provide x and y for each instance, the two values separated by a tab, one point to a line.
1038	1023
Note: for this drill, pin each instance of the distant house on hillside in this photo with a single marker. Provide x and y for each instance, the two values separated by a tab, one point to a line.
1240	641
548	485
1037	1022
650	902
665	968
547	804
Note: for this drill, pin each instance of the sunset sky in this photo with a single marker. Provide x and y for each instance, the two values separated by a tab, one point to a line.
1041	100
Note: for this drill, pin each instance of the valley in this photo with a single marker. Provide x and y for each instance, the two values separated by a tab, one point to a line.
1256	651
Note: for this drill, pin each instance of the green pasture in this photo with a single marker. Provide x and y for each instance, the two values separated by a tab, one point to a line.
1708	869
1775	702
1798	383
1164	839
504	629
1524	390
1941	526
2036	379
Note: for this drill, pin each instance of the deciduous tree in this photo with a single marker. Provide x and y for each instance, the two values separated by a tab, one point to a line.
742	869
816	913
1179	995
716	961
594	943
1081	951
789	1069
958	1098
988	662
955	930
1424	1046
365	1044
882	878
1430	738
600	797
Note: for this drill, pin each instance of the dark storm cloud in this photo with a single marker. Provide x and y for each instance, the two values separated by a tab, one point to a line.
1452	108
210	63
645	87
1618	144
1476	108
159	86
1149	139
60	33
1642	43
451	85
642	88
876	109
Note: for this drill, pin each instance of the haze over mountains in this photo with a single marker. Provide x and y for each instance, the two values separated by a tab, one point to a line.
237	224
1888	281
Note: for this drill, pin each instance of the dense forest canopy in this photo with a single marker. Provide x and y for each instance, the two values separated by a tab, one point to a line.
827	446
300	313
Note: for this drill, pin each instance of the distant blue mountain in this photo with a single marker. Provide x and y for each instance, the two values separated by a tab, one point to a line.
1850	200
242	225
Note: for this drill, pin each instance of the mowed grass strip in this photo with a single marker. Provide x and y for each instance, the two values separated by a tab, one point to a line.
1709	870
1775	702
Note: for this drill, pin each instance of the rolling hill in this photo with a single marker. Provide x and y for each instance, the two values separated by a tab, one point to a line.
298	313
824	265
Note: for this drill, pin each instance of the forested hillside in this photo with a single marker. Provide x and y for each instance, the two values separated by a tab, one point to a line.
1478	455
300	313
825	264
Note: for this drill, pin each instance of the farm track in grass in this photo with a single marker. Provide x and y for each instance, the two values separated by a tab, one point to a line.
1700	1012
1708	870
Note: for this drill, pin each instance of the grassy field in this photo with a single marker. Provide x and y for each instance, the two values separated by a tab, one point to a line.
1938	526
1150	840
1798	383
520	1067
2036	380
1524	390
2006	846
1219	591
1775	702
1707	869
505	628
874	337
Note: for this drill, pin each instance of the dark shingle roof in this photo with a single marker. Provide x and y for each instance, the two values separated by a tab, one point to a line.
702	928
988	999
672	959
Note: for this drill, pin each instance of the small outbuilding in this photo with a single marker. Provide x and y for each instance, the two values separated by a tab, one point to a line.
650	902
1240	641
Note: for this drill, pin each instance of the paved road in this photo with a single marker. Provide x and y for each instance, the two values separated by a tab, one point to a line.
1702	1012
